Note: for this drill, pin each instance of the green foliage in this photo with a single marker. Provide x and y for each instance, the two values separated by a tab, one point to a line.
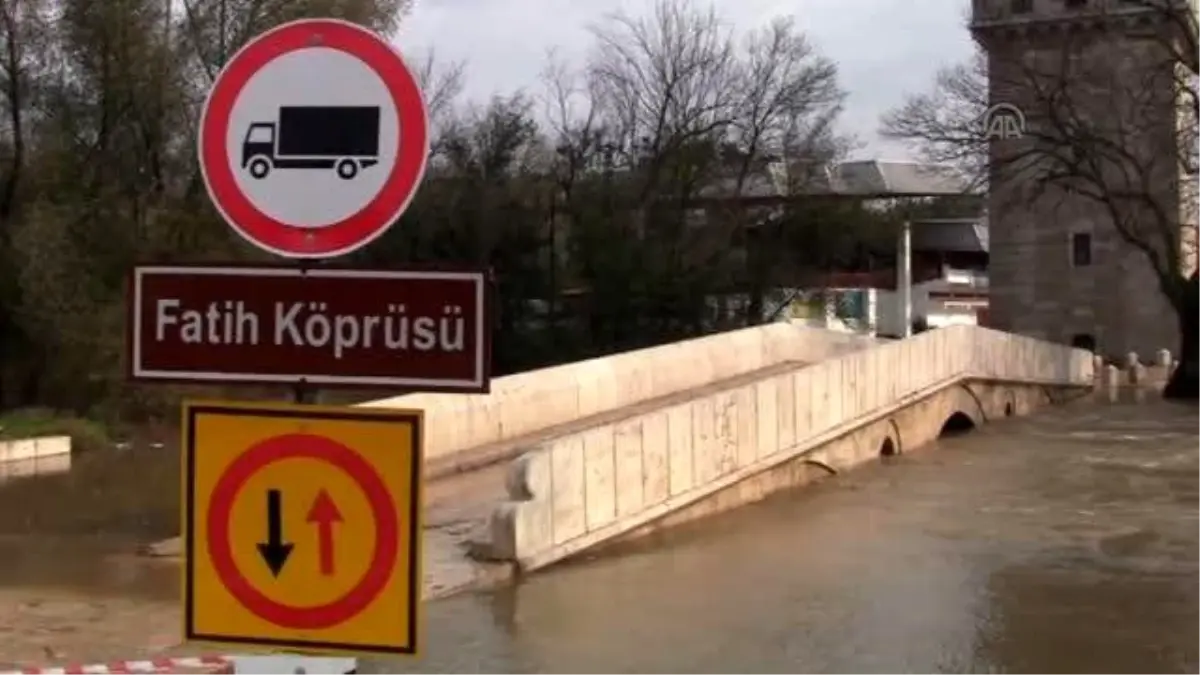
86	435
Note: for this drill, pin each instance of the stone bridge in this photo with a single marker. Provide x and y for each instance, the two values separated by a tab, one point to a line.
567	459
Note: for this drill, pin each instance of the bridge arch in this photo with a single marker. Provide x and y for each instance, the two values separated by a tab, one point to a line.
963	412
890	443
888	447
957	424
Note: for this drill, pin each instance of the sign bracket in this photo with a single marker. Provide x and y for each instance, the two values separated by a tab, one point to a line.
303	392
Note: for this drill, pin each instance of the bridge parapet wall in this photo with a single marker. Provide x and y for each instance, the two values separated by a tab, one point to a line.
584	489
530	402
1135	372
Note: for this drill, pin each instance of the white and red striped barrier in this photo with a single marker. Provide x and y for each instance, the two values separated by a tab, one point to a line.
205	665
184	664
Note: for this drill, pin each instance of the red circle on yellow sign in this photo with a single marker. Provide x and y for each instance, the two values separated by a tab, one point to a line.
303	446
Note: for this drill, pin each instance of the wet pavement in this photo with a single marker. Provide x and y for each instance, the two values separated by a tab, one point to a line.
1065	542
73	600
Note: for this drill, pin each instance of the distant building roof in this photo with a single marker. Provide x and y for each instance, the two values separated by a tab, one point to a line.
897	179
959	235
869	179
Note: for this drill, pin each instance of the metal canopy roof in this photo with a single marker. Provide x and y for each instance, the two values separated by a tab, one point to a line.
868	179
960	235
886	179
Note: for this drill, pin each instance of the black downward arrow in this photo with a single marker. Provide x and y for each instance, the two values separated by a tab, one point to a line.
274	551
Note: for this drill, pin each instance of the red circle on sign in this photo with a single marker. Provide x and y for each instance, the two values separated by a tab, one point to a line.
373	219
220	547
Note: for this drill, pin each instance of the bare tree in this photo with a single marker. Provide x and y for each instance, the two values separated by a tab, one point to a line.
678	82
944	123
663	82
22	42
441	84
787	99
682	110
572	121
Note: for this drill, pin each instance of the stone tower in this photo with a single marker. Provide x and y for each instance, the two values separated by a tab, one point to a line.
1059	270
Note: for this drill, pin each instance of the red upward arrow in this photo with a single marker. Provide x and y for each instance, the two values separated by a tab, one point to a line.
324	513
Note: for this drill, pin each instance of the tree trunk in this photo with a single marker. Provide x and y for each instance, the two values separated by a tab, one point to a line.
1184	384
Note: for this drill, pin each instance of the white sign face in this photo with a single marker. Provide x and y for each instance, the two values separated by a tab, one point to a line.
313	139
298	156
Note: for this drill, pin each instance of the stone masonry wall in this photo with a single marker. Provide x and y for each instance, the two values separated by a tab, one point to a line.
1035	288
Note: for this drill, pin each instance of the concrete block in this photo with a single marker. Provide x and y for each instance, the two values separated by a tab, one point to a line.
501	541
668	376
1137	374
724	458
850	385
1112	377
595	388
558	403
529	488
628	439
785	409
891	369
569	489
705	443
766	418
34	448
679	443
802	397
837	400
477	424
747	442
600	465
881	368
656	471
819	393
40	466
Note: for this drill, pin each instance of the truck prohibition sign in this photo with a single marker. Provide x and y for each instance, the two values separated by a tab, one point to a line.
344	138
313	139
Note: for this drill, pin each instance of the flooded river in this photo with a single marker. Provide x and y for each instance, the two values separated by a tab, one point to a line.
1065	542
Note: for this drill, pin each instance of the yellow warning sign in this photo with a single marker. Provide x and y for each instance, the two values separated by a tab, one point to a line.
302	527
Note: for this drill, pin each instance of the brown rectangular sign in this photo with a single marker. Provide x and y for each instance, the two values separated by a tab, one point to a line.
419	330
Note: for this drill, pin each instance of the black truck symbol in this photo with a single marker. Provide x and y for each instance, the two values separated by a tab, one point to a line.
342	138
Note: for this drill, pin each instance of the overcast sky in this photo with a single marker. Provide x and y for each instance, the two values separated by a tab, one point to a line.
884	48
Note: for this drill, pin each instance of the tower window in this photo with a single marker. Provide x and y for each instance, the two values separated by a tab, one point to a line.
1075	4
1081	249
1021	6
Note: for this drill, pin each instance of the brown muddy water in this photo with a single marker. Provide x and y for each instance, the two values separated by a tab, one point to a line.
1065	542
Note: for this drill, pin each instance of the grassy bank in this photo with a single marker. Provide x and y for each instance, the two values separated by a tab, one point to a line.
86	435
